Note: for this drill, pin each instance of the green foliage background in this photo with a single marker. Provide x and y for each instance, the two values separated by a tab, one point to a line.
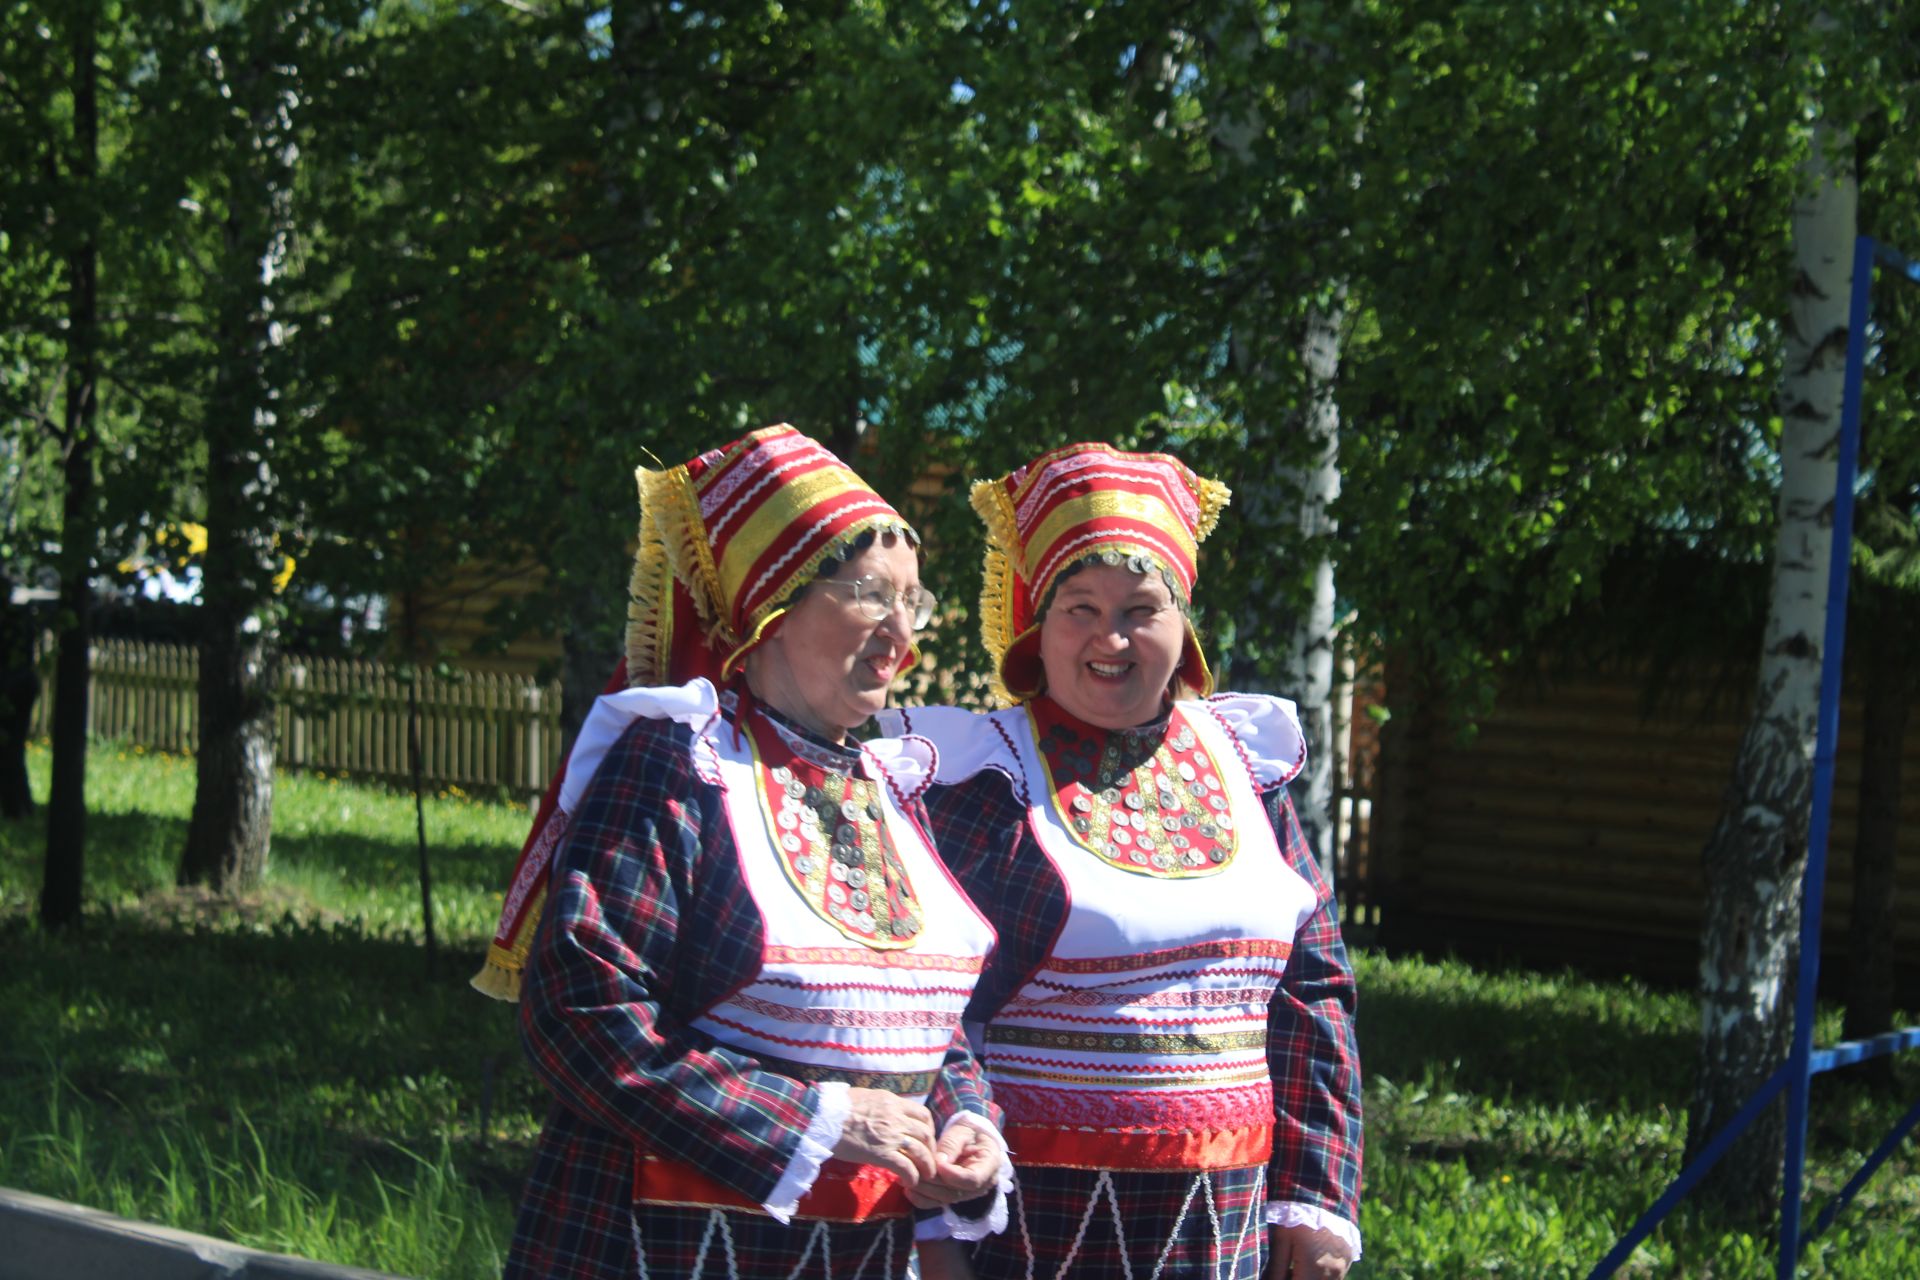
531	246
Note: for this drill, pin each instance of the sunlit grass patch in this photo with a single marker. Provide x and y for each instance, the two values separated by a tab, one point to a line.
411	1213
339	851
1518	1122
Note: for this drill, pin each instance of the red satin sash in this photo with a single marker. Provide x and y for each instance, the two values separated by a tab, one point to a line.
844	1192
1140	1151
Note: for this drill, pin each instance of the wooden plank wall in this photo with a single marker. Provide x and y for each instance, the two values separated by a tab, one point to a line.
477	730
1573	823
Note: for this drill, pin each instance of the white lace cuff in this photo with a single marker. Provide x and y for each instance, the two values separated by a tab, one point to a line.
816	1148
1288	1213
950	1225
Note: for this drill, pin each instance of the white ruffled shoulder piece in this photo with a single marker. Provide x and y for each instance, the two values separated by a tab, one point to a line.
962	742
906	763
694	704
1267	731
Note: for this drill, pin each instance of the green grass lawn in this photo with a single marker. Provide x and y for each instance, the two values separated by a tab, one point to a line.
288	1072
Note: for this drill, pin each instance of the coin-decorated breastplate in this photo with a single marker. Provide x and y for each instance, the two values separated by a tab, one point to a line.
1149	801
870	949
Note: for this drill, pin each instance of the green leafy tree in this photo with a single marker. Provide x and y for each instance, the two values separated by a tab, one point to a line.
1854	62
237	85
88	341
603	236
54	104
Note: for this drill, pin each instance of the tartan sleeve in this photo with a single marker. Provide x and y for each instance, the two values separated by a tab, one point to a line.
980	830
960	1085
1312	1055
606	957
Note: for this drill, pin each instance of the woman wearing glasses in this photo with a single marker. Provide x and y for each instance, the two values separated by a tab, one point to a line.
745	985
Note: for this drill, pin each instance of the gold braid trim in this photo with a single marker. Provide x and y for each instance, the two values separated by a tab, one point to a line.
990	501
996	626
670	521
738	657
649	600
1213	497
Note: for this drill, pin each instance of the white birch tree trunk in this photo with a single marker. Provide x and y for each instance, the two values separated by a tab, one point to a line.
1757	853
1293	501
230	830
1309	657
1290	509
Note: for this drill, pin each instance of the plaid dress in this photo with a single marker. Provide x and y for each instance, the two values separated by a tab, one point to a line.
1097	1223
649	924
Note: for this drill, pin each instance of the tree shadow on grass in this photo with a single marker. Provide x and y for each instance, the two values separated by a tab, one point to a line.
127	854
299	1027
373	862
1540	1038
1574	1052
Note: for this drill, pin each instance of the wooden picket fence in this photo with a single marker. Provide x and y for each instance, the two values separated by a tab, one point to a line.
477	730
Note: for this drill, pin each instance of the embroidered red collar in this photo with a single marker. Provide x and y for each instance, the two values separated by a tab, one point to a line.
1147	800
833	844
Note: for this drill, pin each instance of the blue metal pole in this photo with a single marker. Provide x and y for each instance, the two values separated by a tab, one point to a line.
1848	1052
1813	887
1895	1136
1677	1189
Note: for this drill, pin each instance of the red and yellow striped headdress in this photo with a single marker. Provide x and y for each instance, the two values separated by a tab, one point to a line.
1144	510
725	541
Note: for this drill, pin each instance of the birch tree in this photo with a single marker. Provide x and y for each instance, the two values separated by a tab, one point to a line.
251	61
1295	434
1756	856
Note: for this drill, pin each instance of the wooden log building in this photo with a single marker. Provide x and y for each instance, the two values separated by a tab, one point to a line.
1569	829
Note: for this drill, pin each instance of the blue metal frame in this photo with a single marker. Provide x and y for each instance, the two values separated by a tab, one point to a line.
1795	1075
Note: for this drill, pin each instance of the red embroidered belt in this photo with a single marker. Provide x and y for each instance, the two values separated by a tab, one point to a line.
1140	1151
844	1191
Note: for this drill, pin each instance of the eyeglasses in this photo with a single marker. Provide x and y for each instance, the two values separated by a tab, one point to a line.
876	600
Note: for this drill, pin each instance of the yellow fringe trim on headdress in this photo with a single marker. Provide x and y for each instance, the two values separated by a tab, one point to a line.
1213	498
649	604
996	620
990	500
668	504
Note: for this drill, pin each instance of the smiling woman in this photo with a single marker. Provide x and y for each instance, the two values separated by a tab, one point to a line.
1167	1021
745	987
